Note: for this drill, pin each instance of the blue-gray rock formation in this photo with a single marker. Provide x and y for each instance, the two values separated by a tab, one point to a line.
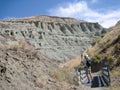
56	37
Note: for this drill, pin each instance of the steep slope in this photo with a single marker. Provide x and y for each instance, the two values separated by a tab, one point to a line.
23	68
56	37
108	48
20	69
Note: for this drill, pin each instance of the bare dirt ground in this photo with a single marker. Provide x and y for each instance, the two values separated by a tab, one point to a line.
71	63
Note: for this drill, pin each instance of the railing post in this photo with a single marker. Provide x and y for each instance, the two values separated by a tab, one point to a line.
105	72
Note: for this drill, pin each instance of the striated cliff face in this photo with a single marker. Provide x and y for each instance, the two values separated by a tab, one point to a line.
56	37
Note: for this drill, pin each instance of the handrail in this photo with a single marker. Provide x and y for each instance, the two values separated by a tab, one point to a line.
106	73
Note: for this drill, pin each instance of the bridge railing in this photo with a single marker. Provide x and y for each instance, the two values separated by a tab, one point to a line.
98	81
106	72
81	73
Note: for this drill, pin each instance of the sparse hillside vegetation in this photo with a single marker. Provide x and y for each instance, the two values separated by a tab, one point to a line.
64	75
108	48
22	67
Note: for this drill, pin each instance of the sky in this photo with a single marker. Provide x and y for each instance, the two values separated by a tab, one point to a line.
105	12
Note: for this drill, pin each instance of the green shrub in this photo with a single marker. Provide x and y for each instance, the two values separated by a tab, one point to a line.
102	35
104	46
97	58
96	41
81	64
108	40
109	57
93	43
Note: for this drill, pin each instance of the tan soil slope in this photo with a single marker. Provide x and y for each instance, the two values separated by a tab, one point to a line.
109	46
23	68
109	49
71	63
107	39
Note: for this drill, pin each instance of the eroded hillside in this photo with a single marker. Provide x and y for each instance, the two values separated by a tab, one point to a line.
107	48
56	37
23	68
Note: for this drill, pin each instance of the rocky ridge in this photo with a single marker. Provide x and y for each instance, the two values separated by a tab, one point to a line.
56	37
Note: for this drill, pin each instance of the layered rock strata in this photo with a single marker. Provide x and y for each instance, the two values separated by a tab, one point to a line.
56	37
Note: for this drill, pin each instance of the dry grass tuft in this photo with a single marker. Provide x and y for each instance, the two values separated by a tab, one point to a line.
115	72
70	64
63	75
41	82
15	45
114	88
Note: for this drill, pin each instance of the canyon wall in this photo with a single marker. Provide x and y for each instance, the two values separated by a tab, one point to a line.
58	38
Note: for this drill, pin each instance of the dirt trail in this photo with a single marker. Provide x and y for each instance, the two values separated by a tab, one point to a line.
75	62
99	88
71	63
